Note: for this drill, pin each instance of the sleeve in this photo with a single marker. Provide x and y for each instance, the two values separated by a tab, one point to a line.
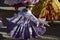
31	17
35	1
43	22
37	21
12	2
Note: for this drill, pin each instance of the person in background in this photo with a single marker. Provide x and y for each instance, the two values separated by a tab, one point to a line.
1	23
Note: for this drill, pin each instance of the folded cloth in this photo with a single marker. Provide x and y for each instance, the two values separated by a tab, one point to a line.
12	2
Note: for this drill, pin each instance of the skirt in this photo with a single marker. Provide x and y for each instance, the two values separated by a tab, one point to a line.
24	28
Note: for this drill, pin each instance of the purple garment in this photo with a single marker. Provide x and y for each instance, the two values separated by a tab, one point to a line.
40	30
12	2
24	26
33	1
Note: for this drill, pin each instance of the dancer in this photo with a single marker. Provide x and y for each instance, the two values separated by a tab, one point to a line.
25	25
48	12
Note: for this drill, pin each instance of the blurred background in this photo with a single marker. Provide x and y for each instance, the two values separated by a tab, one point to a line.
49	9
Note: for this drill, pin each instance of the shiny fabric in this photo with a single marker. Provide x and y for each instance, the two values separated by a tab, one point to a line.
24	25
13	2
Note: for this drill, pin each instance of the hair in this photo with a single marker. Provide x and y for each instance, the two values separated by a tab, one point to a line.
28	6
59	0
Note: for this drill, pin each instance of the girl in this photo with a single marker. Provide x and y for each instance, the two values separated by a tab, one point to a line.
25	25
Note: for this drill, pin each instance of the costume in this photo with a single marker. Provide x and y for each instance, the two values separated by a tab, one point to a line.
48	12
19	3
24	25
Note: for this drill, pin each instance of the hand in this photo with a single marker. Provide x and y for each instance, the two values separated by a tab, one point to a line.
42	21
37	24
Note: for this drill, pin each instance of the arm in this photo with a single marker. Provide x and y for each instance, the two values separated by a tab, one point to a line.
30	16
38	21
43	22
